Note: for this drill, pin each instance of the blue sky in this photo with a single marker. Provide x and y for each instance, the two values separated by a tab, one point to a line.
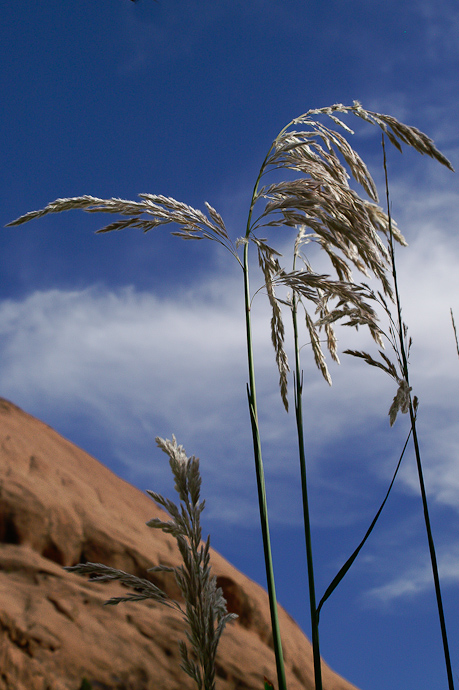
114	339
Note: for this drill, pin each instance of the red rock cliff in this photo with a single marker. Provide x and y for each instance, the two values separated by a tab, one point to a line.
59	506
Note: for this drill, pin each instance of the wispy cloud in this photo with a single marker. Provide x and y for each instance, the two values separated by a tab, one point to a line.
417	579
136	365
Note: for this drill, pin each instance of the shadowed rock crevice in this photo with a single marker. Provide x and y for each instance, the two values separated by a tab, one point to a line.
8	531
237	601
53	553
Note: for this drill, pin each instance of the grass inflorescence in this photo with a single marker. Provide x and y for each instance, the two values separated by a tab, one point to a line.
204	608
356	234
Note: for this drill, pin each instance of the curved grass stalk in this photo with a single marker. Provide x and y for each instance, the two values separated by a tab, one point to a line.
405	370
342	572
339	220
403	402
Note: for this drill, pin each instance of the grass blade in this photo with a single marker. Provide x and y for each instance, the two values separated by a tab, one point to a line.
342	572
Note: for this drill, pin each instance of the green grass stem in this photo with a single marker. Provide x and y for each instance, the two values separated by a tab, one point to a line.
304	491
347	228
405	371
262	503
343	570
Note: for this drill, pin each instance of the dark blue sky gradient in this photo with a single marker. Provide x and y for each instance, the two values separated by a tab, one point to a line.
113	98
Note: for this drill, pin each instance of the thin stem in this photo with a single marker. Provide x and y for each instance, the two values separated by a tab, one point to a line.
304	489
342	572
455	332
433	557
257	181
251	391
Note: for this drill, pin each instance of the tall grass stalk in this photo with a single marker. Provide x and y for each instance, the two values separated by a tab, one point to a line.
346	226
353	317
261	487
404	402
304	491
401	330
259	470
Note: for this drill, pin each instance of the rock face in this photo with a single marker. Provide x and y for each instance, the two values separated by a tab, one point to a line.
59	506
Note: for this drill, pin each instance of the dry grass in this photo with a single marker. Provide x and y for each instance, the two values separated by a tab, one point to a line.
322	208
205	609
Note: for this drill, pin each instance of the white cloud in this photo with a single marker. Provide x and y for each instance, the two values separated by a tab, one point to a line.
418	578
133	365
95	347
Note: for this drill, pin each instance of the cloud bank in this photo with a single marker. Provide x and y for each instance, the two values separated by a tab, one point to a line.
130	365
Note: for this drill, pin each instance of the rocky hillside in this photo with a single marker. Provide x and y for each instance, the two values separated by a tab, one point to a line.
59	506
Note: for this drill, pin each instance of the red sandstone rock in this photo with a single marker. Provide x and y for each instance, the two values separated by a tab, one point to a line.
59	506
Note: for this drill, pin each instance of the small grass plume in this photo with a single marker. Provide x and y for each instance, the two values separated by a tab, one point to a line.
204	609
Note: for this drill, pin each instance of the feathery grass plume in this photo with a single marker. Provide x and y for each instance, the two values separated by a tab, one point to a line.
205	609
311	159
323	201
401	344
160	210
342	223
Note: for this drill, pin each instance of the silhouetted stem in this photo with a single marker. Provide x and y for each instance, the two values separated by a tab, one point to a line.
304	489
261	486
433	557
455	332
342	572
